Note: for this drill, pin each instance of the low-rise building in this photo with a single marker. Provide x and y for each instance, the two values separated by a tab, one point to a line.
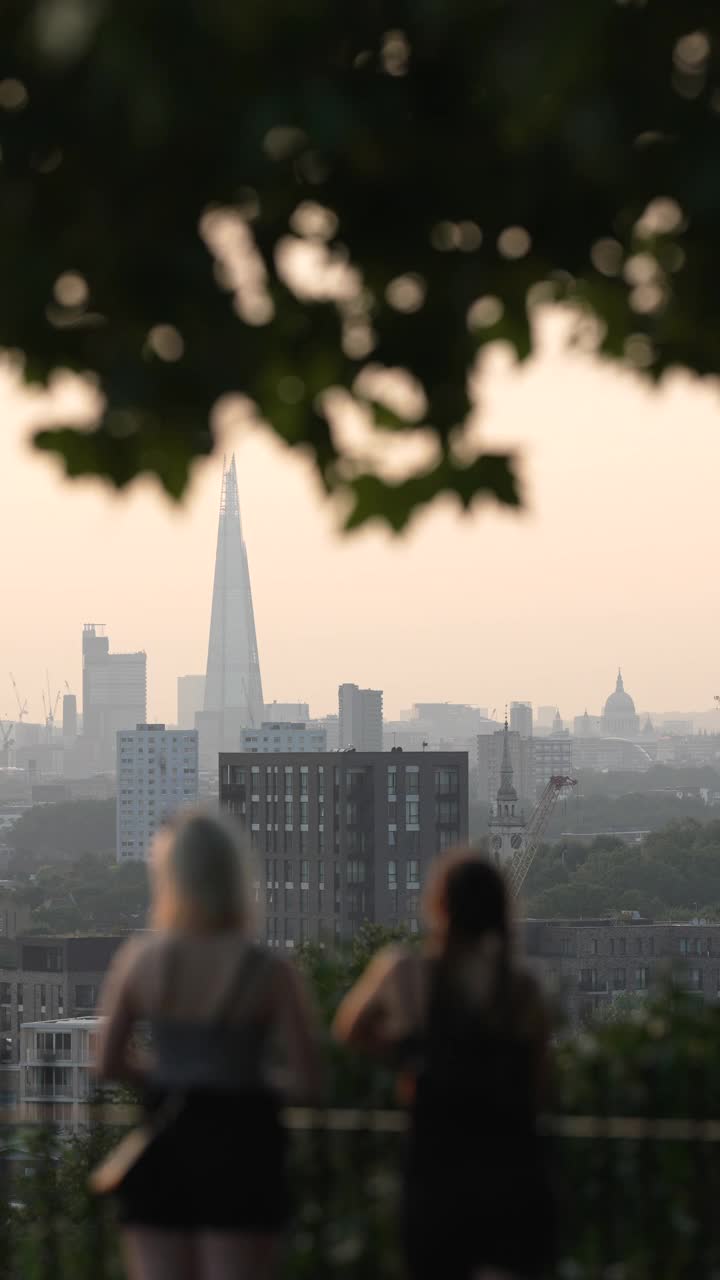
57	1057
45	977
589	963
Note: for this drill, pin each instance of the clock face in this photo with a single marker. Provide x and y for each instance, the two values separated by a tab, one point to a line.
516	842
497	843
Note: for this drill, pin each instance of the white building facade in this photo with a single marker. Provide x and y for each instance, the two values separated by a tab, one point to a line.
56	1060
157	774
283	735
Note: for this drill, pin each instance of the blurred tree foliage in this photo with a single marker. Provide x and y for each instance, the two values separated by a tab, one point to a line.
213	199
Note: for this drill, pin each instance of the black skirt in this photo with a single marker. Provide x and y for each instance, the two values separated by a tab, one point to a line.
477	1192
220	1165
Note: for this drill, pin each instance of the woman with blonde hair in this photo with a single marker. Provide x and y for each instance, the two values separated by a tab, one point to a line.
230	1031
466	1029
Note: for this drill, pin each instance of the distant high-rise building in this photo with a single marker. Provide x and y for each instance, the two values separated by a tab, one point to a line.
114	694
587	726
549	758
286	711
360	718
69	719
545	717
233	687
278	735
190	700
521	718
157	773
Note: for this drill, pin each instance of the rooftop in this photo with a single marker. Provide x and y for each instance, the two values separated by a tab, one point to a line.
63	1024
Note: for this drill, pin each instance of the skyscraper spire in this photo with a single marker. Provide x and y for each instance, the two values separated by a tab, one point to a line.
619	687
233	687
507	788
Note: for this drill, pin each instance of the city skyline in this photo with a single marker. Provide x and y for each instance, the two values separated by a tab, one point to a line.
487	609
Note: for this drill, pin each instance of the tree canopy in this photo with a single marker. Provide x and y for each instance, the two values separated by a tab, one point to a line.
283	202
50	833
674	874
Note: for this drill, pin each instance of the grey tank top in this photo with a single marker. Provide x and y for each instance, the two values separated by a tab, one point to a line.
218	1054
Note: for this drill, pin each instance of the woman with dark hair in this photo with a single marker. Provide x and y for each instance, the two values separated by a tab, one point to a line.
468	1032
207	1198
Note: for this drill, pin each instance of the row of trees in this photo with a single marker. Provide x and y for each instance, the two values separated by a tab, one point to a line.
675	872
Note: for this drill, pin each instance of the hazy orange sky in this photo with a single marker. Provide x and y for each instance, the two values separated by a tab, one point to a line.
612	562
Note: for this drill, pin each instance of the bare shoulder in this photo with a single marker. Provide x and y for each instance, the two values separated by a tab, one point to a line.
136	950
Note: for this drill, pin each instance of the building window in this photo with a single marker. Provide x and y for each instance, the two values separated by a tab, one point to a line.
642	976
355	871
695	980
619	980
288	813
412	813
412	874
288	781
303	781
594	947
412	781
446	782
446	811
304	872
392	781
288	874
303	813
392	874
392	837
86	995
588	980
447	837
321	875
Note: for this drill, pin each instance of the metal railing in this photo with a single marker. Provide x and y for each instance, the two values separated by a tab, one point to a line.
636	1196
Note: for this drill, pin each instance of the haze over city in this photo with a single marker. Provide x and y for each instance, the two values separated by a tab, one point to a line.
604	567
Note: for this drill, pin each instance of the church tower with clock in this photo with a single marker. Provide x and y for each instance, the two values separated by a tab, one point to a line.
507	824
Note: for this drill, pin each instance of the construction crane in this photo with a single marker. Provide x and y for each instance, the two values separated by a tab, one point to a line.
522	861
50	708
22	703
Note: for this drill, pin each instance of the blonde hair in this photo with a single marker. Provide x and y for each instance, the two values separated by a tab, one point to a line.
201	876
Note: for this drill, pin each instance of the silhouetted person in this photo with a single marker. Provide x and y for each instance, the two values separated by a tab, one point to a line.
468	1032
208	1198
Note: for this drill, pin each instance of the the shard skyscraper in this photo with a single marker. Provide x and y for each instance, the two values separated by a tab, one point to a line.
233	687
